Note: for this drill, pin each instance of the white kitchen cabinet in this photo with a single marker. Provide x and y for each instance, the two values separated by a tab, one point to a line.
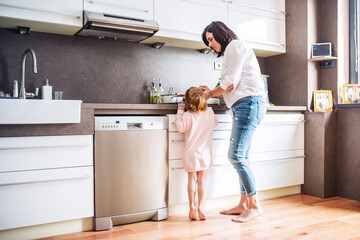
45	179
186	19
62	17
217	185
276	155
136	9
222	180
259	23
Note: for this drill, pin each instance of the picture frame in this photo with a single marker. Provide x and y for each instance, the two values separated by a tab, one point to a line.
348	92
323	101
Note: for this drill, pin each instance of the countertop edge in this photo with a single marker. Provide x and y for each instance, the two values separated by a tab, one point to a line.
104	107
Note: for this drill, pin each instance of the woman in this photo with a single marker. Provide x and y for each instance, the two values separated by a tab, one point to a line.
243	91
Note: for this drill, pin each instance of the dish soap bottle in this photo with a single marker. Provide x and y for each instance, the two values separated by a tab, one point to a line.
46	91
160	92
153	92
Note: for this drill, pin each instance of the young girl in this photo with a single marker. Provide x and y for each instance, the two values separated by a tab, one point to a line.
197	124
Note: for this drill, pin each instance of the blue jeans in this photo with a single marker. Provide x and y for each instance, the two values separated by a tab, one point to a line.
248	112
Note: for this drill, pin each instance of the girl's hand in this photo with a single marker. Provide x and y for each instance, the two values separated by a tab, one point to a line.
181	106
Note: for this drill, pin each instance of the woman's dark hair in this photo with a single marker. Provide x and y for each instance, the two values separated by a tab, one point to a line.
222	34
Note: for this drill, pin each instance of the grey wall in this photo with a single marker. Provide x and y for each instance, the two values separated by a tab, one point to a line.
348	154
292	75
288	72
102	71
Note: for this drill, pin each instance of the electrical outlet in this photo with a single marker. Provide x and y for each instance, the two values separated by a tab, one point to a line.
217	65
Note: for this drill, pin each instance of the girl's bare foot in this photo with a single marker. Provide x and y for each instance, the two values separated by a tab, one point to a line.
237	210
192	213
201	212
248	215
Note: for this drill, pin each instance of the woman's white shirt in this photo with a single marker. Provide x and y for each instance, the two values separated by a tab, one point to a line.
241	68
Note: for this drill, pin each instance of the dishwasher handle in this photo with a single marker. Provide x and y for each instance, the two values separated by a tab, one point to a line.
134	126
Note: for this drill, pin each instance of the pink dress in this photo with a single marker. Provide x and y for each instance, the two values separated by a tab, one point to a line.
198	130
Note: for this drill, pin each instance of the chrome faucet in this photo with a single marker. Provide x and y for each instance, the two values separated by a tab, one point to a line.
23	59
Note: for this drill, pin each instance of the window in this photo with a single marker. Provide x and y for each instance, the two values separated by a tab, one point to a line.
354	25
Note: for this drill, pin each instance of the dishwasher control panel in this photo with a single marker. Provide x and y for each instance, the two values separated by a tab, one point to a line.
111	123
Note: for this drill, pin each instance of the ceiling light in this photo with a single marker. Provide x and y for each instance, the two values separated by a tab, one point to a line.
206	50
158	45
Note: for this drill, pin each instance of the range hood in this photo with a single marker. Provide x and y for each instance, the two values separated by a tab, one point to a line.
102	25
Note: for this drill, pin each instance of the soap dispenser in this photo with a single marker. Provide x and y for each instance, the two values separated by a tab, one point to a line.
46	91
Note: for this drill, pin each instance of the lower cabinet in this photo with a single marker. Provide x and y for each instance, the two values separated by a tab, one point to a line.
45	179
276	157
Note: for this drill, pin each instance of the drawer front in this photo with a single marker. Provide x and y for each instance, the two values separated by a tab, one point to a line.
279	132
222	180
29	153
37	197
225	122
177	143
278	173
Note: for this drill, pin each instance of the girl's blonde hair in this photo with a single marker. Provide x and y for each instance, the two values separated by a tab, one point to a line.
195	100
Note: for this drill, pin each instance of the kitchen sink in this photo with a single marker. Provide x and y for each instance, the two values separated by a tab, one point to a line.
38	111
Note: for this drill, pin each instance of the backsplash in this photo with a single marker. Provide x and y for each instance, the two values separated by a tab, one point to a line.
102	71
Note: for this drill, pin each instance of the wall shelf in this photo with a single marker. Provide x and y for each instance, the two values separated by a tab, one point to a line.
322	58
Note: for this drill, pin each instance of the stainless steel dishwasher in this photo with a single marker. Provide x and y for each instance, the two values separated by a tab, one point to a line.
131	170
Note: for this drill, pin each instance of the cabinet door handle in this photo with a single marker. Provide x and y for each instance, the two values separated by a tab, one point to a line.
282	122
42	147
256	7
216	165
219	139
173	140
40	10
118	5
266	43
278	159
46	180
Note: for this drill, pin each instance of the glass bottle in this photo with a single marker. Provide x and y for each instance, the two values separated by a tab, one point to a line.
153	92
218	83
160	92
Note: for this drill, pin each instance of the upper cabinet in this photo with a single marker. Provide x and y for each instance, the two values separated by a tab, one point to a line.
260	23
63	17
182	21
138	9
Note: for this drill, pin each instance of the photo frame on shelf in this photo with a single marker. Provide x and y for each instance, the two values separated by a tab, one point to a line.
350	92
323	101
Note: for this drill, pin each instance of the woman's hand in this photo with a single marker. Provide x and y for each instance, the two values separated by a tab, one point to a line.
206	90
181	106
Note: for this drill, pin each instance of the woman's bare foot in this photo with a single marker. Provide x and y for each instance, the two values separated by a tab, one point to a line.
237	210
192	213
201	212
248	215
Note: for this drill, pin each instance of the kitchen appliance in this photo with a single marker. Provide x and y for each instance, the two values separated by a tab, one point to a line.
102	25
131	170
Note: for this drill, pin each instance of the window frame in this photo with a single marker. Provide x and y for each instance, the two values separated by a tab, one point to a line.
354	56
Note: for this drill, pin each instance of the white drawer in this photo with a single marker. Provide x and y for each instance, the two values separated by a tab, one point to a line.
279	132
28	153
225	122
222	180
37	197
177	143
278	173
